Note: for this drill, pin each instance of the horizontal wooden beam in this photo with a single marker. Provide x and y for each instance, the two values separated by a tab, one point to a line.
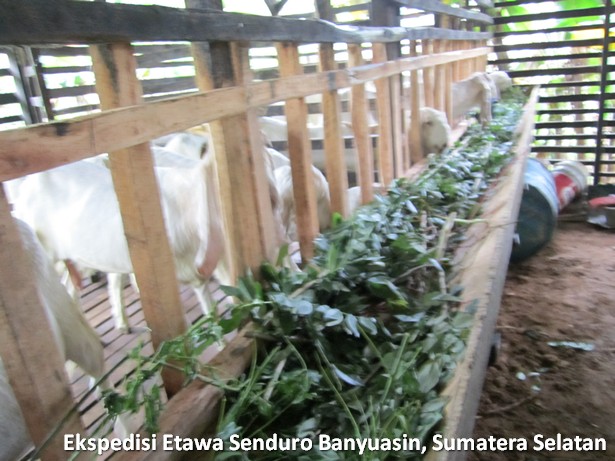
578	13
559	57
433	6
556	71
8	98
579	124
510	33
574	97
579	148
548	45
40	147
38	22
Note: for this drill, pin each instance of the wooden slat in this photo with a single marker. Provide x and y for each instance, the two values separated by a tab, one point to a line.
414	139
385	143
159	85
576	28
551	58
360	125
299	151
439	75
8	98
135	183
244	190
543	45
335	165
401	160
428	74
577	13
44	146
558	71
34	365
579	148
64	21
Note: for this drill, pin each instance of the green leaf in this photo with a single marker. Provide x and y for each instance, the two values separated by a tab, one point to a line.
428	375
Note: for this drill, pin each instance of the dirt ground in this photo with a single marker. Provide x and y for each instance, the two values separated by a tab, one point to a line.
566	292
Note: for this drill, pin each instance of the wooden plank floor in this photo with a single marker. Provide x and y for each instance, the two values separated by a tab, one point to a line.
95	303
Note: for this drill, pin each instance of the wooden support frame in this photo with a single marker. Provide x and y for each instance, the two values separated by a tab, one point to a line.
386	167
300	153
132	170
414	137
360	124
33	363
335	166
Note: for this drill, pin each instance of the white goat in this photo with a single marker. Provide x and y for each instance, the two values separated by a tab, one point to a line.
479	90
284	184
435	130
75	212
76	340
192	144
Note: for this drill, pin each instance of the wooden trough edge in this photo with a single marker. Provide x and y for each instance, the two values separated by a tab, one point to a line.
193	410
483	273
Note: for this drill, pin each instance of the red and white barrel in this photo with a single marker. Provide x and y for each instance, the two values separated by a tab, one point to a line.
570	180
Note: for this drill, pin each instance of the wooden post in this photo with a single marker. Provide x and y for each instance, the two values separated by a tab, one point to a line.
299	150
244	190
400	163
360	126
337	172
137	191
385	147
414	141
428	74
34	365
335	165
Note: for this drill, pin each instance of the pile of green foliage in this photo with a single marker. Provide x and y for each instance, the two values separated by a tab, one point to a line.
360	343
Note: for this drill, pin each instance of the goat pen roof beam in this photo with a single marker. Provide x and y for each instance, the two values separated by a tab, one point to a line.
65	21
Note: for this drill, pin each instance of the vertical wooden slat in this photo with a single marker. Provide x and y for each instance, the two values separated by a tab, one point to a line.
33	363
385	132
360	125
335	165
400	162
428	74
299	149
414	141
439	73
137	191
244	191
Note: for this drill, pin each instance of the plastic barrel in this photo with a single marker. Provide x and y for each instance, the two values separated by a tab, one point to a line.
537	213
570	180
